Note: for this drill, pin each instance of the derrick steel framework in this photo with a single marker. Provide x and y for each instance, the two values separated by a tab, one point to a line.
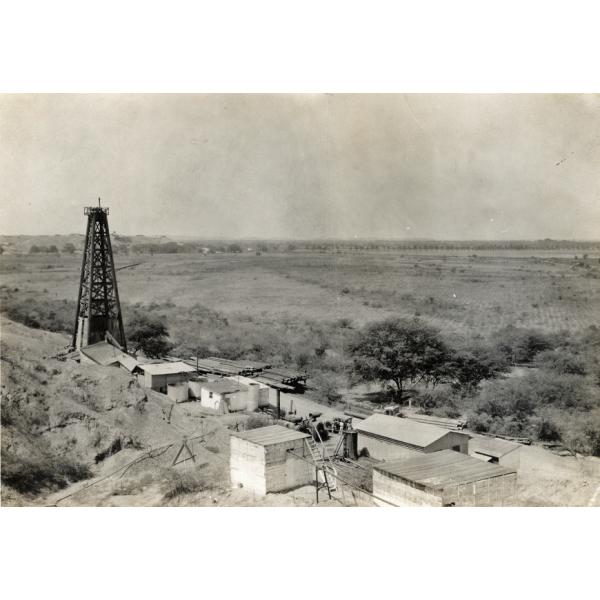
98	307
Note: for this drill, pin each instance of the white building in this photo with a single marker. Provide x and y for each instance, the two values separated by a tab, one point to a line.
262	462
158	376
223	396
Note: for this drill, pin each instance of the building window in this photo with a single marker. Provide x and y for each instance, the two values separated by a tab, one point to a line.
456	448
210	394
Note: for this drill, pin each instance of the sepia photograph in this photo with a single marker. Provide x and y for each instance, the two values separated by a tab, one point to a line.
300	300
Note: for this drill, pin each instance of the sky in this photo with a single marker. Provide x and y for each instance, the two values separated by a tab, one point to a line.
304	166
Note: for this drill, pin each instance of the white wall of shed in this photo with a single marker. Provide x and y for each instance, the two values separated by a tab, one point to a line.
247	465
271	468
493	491
215	403
382	450
400	493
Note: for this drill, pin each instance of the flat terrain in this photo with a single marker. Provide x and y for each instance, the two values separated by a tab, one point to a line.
458	292
79	411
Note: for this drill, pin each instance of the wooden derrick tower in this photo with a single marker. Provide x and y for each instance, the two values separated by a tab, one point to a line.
98	307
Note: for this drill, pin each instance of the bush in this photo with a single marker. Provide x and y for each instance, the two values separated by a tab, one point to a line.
561	361
32	476
547	431
182	484
479	422
326	388
522	396
592	433
255	421
521	345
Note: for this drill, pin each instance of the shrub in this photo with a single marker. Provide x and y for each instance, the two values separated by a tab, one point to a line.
520	344
182	484
326	388
592	433
33	475
547	431
479	422
255	421
561	361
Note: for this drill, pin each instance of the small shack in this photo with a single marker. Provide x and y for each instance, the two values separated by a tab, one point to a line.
223	396
260	459
388	438
158	376
444	478
496	451
105	354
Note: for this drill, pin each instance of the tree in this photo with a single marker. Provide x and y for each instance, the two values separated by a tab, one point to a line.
34	249
561	361
149	334
467	371
234	248
400	351
53	249
69	248
521	345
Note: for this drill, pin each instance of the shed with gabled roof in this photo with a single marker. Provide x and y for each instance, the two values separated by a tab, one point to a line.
223	395
106	354
496	451
387	437
267	459
444	478
157	376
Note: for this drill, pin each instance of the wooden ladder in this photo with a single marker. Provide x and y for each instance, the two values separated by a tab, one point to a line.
318	457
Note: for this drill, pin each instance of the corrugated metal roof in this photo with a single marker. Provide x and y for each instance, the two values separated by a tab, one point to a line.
103	353
440	469
495	447
223	386
166	368
272	434
401	430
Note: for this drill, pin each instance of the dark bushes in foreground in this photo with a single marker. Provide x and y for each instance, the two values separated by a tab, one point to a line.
32	476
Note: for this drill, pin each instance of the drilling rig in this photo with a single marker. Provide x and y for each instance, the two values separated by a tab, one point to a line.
98	308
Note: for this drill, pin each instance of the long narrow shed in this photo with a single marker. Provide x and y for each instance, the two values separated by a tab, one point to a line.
444	478
387	437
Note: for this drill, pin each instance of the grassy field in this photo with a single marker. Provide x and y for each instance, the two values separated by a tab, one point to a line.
460	293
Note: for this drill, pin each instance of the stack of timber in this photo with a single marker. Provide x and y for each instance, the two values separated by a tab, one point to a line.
226	367
453	424
362	412
519	440
279	378
358	412
283	379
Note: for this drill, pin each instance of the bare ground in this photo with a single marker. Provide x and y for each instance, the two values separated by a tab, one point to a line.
76	412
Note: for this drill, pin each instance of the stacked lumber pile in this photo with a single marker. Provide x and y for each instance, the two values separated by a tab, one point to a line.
453	424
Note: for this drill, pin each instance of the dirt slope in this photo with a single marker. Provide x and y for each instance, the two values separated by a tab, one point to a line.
83	435
93	422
